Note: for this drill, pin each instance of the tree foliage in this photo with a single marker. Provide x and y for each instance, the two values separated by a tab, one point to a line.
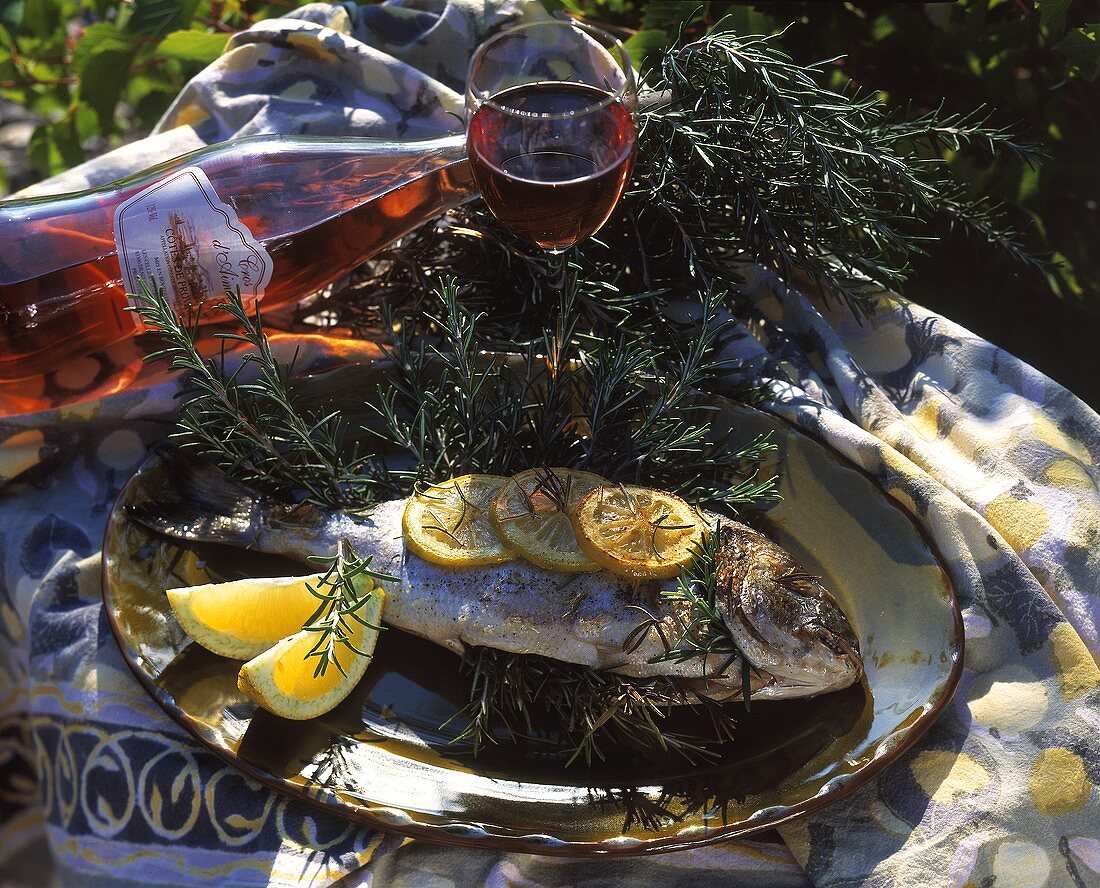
98	70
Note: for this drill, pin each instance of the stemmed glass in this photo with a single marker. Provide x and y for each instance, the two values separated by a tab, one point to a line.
550	129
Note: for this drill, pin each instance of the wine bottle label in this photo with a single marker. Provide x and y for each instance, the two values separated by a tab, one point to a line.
178	235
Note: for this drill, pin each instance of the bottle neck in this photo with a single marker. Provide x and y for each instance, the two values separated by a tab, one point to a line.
439	152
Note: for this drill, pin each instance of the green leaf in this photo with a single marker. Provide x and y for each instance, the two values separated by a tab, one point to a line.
193	46
11	14
40	17
1082	50
154	18
670	15
1029	184
99	38
882	27
1052	15
85	121
151	107
643	43
55	147
102	61
744	20
149	92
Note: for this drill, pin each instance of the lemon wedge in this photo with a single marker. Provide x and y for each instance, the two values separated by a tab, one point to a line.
284	680
448	523
532	516
243	618
637	531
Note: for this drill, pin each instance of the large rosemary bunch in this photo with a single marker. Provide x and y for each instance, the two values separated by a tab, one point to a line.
751	153
743	155
621	407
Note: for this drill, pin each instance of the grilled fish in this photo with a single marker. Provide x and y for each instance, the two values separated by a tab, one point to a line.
797	639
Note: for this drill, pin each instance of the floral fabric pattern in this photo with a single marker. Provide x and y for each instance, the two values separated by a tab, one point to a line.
1000	466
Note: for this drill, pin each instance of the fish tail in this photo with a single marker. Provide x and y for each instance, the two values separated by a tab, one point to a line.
194	500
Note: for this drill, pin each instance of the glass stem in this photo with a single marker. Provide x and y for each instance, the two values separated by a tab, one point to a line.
557	270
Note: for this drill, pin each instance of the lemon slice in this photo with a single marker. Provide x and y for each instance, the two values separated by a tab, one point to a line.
283	679
448	523
243	618
636	531
532	516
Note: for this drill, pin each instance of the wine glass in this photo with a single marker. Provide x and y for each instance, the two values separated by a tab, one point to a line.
550	129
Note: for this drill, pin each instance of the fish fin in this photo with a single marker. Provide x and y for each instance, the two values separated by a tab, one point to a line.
196	501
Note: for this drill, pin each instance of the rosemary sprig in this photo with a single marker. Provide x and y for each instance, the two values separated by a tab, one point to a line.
624	409
246	421
346	586
701	629
589	710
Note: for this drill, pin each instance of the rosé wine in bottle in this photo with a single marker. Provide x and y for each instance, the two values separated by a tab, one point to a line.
278	216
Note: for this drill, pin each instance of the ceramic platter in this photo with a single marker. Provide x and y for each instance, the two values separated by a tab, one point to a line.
383	759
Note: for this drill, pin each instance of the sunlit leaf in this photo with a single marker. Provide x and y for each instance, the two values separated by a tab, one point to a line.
193	46
86	122
154	18
102	60
643	43
54	147
1082	49
99	38
883	26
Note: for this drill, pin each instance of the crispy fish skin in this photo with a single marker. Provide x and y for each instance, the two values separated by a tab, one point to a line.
795	635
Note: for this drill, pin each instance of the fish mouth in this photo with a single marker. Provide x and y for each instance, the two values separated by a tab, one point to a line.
844	649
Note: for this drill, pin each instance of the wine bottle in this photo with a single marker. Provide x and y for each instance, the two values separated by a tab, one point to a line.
278	217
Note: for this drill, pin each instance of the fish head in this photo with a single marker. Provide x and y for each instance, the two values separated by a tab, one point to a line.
784	621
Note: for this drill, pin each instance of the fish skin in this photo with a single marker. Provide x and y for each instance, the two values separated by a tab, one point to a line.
797	638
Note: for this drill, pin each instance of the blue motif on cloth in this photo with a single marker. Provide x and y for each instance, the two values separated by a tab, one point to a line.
406	26
1030	616
58	632
48	537
144	787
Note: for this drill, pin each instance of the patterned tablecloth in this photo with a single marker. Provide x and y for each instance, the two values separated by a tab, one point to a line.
996	462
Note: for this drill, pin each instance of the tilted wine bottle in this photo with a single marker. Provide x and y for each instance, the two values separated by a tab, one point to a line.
279	217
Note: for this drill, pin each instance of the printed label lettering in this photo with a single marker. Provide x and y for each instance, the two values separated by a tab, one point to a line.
179	236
